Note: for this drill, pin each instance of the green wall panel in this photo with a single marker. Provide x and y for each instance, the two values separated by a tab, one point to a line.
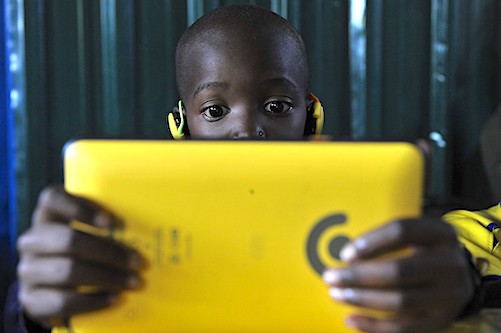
157	92
324	26
105	68
475	78
405	67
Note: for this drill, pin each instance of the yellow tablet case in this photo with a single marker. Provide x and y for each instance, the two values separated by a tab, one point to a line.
238	233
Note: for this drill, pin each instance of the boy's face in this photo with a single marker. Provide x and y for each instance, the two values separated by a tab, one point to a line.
246	85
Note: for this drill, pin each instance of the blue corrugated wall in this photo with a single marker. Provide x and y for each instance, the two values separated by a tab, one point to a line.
7	220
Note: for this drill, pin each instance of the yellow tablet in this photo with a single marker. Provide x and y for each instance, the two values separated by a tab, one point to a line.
237	233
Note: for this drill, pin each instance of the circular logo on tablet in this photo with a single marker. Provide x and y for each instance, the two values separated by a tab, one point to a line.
325	242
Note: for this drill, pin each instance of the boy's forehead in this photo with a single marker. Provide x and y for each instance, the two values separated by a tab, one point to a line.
246	37
242	49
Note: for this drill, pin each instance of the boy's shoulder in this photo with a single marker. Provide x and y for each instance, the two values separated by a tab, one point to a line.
484	217
480	232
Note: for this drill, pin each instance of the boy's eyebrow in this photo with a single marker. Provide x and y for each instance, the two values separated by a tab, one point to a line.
221	84
281	81
207	85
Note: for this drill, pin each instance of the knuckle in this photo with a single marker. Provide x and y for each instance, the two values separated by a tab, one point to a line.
404	301
47	240
47	200
45	306
401	301
24	297
48	194
23	271
57	303
65	239
23	242
397	271
37	215
65	268
399	229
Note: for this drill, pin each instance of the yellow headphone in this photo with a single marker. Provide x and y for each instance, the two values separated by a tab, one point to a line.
175	121
314	119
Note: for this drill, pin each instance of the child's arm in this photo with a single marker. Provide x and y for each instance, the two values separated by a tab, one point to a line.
425	290
56	260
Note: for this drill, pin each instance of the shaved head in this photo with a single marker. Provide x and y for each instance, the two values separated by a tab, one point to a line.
240	29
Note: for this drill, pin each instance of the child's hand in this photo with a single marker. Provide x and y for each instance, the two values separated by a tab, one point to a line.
424	291
55	260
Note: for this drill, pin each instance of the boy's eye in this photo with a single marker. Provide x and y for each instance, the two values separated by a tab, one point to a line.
277	107
215	112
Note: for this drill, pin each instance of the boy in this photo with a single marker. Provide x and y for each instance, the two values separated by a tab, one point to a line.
242	73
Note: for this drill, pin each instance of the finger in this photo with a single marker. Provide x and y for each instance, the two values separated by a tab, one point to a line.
52	307
423	323
420	268
397	301
63	272
57	205
397	235
58	239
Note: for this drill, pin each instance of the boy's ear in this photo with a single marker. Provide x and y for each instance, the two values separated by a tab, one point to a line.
176	122
314	116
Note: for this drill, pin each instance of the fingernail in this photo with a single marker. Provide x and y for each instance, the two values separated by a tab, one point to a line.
361	243
348	253
135	262
331	277
133	282
351	322
336	294
341	294
113	298
103	220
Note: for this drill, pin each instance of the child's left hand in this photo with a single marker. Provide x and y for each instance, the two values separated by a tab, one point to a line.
424	291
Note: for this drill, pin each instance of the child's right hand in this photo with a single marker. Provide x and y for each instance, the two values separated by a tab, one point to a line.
55	260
